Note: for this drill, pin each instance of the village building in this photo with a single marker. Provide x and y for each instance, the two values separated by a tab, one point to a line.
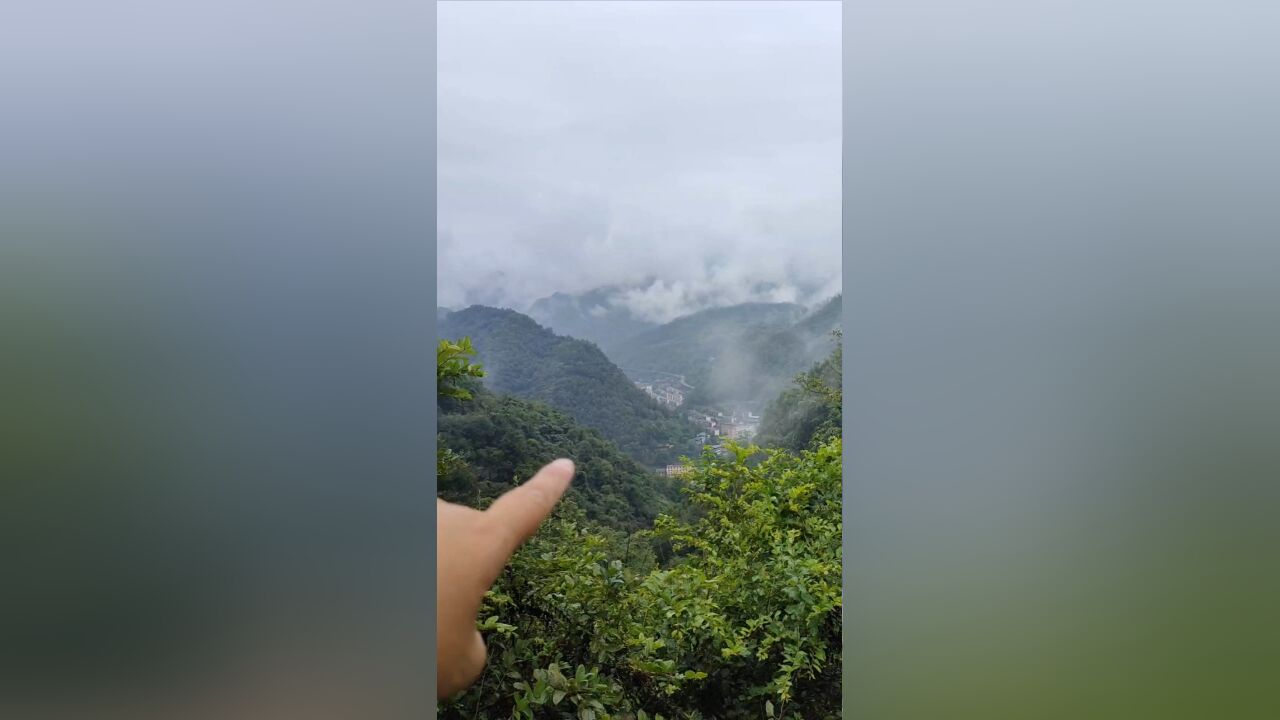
664	394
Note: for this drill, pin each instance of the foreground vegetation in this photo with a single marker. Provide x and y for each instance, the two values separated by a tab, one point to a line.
727	605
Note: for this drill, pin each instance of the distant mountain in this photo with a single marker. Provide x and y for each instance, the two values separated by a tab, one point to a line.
748	352
523	358
606	315
597	315
779	356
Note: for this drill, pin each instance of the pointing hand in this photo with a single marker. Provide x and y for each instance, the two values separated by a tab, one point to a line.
472	548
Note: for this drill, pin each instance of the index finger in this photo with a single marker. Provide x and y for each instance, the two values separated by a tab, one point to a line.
519	512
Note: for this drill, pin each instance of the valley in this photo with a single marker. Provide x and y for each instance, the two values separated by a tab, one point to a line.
661	392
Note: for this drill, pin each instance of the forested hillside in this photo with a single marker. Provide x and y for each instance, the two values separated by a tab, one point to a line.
775	358
525	359
825	318
810	411
496	441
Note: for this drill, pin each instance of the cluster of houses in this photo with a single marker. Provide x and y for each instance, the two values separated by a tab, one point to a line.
737	426
716	429
668	395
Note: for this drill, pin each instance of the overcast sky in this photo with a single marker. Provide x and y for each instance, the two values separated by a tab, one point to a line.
583	144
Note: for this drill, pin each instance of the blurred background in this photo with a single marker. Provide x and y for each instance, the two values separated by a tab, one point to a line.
216	268
1063	359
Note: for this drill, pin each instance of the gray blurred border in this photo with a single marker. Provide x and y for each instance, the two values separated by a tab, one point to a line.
429	210
846	255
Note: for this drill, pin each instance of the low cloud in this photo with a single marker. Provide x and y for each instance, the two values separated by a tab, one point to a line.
687	151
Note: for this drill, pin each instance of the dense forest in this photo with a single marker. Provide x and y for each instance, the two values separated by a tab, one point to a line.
720	602
496	441
524	359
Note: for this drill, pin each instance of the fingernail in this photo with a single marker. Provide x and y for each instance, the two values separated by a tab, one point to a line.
566	464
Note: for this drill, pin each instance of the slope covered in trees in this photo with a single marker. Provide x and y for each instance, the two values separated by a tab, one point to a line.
496	441
775	358
808	412
825	318
525	359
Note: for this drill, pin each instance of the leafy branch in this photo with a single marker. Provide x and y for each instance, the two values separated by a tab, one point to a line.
452	365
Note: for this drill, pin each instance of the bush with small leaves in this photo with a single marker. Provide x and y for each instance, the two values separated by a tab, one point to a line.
741	621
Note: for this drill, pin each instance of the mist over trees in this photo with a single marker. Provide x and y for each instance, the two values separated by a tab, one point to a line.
810	411
600	315
748	352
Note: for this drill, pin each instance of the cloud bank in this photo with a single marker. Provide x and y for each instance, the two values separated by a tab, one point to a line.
590	144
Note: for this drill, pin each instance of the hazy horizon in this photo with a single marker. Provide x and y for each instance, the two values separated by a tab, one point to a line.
697	302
